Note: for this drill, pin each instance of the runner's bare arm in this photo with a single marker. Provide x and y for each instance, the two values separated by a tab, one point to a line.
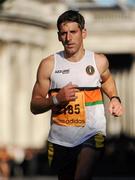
40	102
108	85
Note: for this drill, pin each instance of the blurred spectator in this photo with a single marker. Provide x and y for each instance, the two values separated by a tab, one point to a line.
4	164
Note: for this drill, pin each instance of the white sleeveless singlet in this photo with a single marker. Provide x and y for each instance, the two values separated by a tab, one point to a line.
85	75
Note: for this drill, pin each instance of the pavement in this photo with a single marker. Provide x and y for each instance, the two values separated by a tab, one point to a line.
55	178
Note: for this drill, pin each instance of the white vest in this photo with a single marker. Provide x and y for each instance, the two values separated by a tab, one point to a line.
83	73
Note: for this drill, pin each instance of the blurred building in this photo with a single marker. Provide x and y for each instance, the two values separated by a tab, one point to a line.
28	33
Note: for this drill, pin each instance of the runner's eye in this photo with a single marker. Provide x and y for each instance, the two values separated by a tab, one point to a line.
62	33
73	32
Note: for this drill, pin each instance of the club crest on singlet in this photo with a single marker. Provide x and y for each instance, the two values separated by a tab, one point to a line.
90	70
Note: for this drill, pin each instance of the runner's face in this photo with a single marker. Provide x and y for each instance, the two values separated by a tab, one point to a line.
71	37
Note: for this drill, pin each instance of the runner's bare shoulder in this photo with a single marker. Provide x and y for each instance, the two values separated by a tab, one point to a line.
101	62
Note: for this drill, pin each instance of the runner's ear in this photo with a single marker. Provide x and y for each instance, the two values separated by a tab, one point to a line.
84	33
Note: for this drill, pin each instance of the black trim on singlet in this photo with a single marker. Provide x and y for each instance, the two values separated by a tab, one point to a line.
80	88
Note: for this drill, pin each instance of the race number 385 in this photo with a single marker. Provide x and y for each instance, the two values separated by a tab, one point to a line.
72	109
73	114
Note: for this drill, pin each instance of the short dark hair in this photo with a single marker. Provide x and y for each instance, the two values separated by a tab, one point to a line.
73	16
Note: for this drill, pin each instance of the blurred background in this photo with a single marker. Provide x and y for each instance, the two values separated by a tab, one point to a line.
28	34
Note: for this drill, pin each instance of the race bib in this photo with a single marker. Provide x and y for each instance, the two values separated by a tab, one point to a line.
72	114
